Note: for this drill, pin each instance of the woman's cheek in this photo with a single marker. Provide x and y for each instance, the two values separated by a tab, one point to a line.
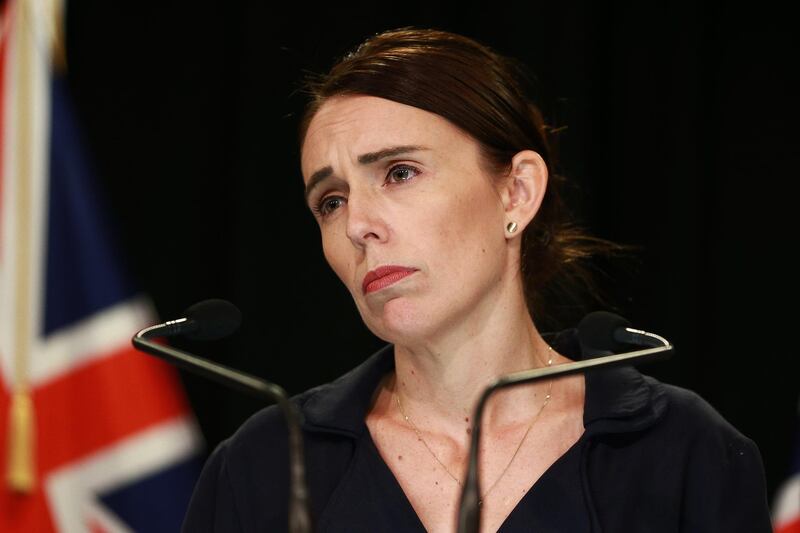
335	256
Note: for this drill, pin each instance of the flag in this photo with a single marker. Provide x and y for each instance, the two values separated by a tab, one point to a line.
786	505
94	436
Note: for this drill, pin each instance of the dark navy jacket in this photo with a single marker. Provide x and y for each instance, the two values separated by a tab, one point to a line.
653	458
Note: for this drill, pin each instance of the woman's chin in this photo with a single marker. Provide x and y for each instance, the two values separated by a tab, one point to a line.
401	322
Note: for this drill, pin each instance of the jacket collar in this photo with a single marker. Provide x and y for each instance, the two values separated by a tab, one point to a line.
618	399
341	406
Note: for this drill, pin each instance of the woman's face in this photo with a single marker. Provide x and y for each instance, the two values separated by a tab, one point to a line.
410	221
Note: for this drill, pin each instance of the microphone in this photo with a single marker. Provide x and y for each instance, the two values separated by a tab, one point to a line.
214	319
602	332
599	332
204	321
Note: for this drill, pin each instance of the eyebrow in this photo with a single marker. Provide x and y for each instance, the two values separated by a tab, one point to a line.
365	159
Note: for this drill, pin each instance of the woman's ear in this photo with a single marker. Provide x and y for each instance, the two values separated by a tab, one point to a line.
523	190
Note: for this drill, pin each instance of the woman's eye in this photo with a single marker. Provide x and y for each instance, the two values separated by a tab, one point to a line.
401	173
328	205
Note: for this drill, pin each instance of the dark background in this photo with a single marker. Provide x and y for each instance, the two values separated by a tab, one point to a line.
678	136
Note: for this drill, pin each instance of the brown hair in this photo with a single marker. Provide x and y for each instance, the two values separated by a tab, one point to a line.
483	94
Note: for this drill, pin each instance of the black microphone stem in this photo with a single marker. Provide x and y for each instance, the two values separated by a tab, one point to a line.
203	367
299	516
469	510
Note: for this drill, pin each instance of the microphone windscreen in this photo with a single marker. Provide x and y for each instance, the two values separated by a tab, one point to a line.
213	319
596	332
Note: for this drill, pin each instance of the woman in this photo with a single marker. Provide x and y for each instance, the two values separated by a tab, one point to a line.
427	170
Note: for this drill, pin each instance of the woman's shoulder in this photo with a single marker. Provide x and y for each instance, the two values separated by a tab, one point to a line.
673	443
335	407
622	401
252	466
691	413
262	439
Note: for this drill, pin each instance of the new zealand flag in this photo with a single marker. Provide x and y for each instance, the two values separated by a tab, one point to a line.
93	435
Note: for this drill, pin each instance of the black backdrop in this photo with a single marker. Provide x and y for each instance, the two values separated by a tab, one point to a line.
678	134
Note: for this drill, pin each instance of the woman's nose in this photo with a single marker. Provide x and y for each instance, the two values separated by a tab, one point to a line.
365	222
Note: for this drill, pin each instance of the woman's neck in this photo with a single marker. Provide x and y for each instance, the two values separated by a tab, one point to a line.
439	381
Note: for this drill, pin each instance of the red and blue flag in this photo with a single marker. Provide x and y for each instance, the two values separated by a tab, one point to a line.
94	436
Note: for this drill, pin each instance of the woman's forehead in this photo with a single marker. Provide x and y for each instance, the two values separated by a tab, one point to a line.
353	116
362	124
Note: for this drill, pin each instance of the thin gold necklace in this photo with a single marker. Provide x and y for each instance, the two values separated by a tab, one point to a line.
496	481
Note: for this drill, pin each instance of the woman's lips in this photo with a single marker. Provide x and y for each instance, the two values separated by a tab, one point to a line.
384	276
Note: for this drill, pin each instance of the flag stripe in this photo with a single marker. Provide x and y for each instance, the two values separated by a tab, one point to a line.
94	337
26	513
72	491
102	402
789	527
